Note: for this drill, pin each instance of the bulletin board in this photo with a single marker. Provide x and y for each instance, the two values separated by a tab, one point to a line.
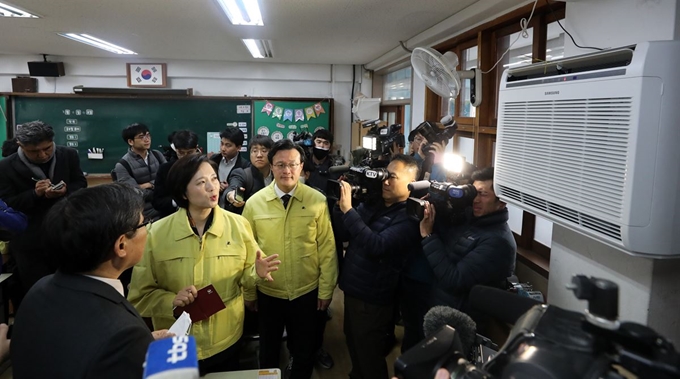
281	119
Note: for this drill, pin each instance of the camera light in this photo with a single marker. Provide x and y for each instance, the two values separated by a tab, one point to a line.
453	162
369	142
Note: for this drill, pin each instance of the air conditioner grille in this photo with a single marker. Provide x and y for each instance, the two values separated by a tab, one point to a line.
574	152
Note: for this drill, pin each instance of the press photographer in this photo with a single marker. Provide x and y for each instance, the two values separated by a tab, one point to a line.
380	235
322	159
457	256
429	141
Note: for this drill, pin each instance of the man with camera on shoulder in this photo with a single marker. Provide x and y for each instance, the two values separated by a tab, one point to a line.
380	234
457	256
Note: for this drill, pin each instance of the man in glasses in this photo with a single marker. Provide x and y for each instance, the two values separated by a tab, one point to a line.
138	167
32	180
292	219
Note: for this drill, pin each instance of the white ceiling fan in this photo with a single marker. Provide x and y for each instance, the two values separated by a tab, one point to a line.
438	72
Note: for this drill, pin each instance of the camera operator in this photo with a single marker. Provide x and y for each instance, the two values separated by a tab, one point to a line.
481	250
420	148
379	234
323	160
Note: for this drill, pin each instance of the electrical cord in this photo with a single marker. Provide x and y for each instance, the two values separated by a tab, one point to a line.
569	34
403	45
524	24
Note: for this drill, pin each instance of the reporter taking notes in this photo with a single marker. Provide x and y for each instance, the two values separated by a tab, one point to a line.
76	323
199	245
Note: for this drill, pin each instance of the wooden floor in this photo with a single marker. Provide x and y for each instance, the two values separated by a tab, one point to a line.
334	343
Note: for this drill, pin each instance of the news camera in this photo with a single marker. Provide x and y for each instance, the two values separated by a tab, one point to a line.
380	140
304	139
553	343
365	182
448	198
433	134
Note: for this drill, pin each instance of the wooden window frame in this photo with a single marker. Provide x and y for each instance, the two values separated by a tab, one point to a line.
482	127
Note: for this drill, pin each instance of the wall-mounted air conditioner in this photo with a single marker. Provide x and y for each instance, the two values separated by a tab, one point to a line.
593	143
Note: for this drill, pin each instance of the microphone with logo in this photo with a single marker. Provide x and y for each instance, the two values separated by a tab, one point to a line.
172	358
450	338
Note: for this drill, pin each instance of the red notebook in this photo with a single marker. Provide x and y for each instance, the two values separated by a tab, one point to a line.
206	304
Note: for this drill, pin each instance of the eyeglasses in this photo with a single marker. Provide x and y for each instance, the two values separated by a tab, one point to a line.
282	166
144	136
145	223
259	151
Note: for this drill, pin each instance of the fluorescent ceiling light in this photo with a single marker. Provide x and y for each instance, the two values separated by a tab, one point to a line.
10	11
259	48
242	12
96	42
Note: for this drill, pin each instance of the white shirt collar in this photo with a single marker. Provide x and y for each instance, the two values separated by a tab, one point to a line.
115	283
280	193
229	161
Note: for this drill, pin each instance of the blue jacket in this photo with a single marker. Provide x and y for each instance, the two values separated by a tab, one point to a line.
379	240
481	251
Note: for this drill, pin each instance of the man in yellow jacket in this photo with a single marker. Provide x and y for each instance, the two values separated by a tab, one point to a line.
292	219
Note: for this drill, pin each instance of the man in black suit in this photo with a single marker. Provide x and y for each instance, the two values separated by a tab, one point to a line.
251	179
30	182
76	323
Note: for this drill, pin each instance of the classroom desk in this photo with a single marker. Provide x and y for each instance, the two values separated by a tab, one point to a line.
272	373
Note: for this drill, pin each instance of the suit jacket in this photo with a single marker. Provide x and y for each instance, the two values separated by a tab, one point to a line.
162	197
72	326
17	189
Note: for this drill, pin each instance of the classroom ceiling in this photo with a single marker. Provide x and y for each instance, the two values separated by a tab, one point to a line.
301	31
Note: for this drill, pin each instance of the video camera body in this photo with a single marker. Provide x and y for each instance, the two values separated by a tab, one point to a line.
449	199
382	139
433	134
552	343
365	182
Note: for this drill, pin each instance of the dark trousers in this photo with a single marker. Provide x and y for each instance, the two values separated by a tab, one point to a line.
366	326
299	317
416	300
321	320
226	360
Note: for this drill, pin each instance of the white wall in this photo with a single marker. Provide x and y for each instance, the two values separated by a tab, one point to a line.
648	291
207	78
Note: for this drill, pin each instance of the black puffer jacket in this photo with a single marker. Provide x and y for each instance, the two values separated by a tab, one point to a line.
481	251
379	240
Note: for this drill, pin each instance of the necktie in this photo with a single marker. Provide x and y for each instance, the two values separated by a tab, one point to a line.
285	199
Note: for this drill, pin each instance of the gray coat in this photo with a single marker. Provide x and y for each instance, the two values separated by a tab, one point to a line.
141	173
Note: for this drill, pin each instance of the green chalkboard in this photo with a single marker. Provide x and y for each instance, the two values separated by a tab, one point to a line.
3	119
96	123
281	119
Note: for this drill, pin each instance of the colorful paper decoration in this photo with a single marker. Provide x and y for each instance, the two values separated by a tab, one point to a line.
278	112
288	115
318	108
309	111
279	125
268	107
299	115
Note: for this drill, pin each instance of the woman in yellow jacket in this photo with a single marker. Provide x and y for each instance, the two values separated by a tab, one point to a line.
199	245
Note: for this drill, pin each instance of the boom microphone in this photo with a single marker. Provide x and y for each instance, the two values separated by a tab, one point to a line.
172	358
340	169
501	305
419	185
439	316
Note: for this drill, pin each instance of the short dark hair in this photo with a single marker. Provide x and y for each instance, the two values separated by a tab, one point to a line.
181	173
185	139
409	162
483	174
263	141
233	134
323	133
9	147
34	132
285	144
81	230
132	130
171	136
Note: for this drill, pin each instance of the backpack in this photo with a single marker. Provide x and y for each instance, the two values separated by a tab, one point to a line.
126	164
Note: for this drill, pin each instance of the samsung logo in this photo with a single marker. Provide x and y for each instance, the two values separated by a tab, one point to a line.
551	93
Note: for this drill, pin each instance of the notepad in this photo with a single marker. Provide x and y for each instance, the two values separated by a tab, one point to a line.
207	303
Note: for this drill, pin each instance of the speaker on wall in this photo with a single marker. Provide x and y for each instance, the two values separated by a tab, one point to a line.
46	68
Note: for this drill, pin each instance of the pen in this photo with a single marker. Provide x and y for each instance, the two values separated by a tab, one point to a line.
35	180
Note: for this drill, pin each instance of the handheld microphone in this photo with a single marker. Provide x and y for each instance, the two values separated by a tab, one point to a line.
502	305
172	358
439	316
447	120
419	185
340	169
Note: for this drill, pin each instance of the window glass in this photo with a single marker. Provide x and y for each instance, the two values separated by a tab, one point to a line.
515	218
554	46
468	60
543	231
519	55
397	85
466	148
